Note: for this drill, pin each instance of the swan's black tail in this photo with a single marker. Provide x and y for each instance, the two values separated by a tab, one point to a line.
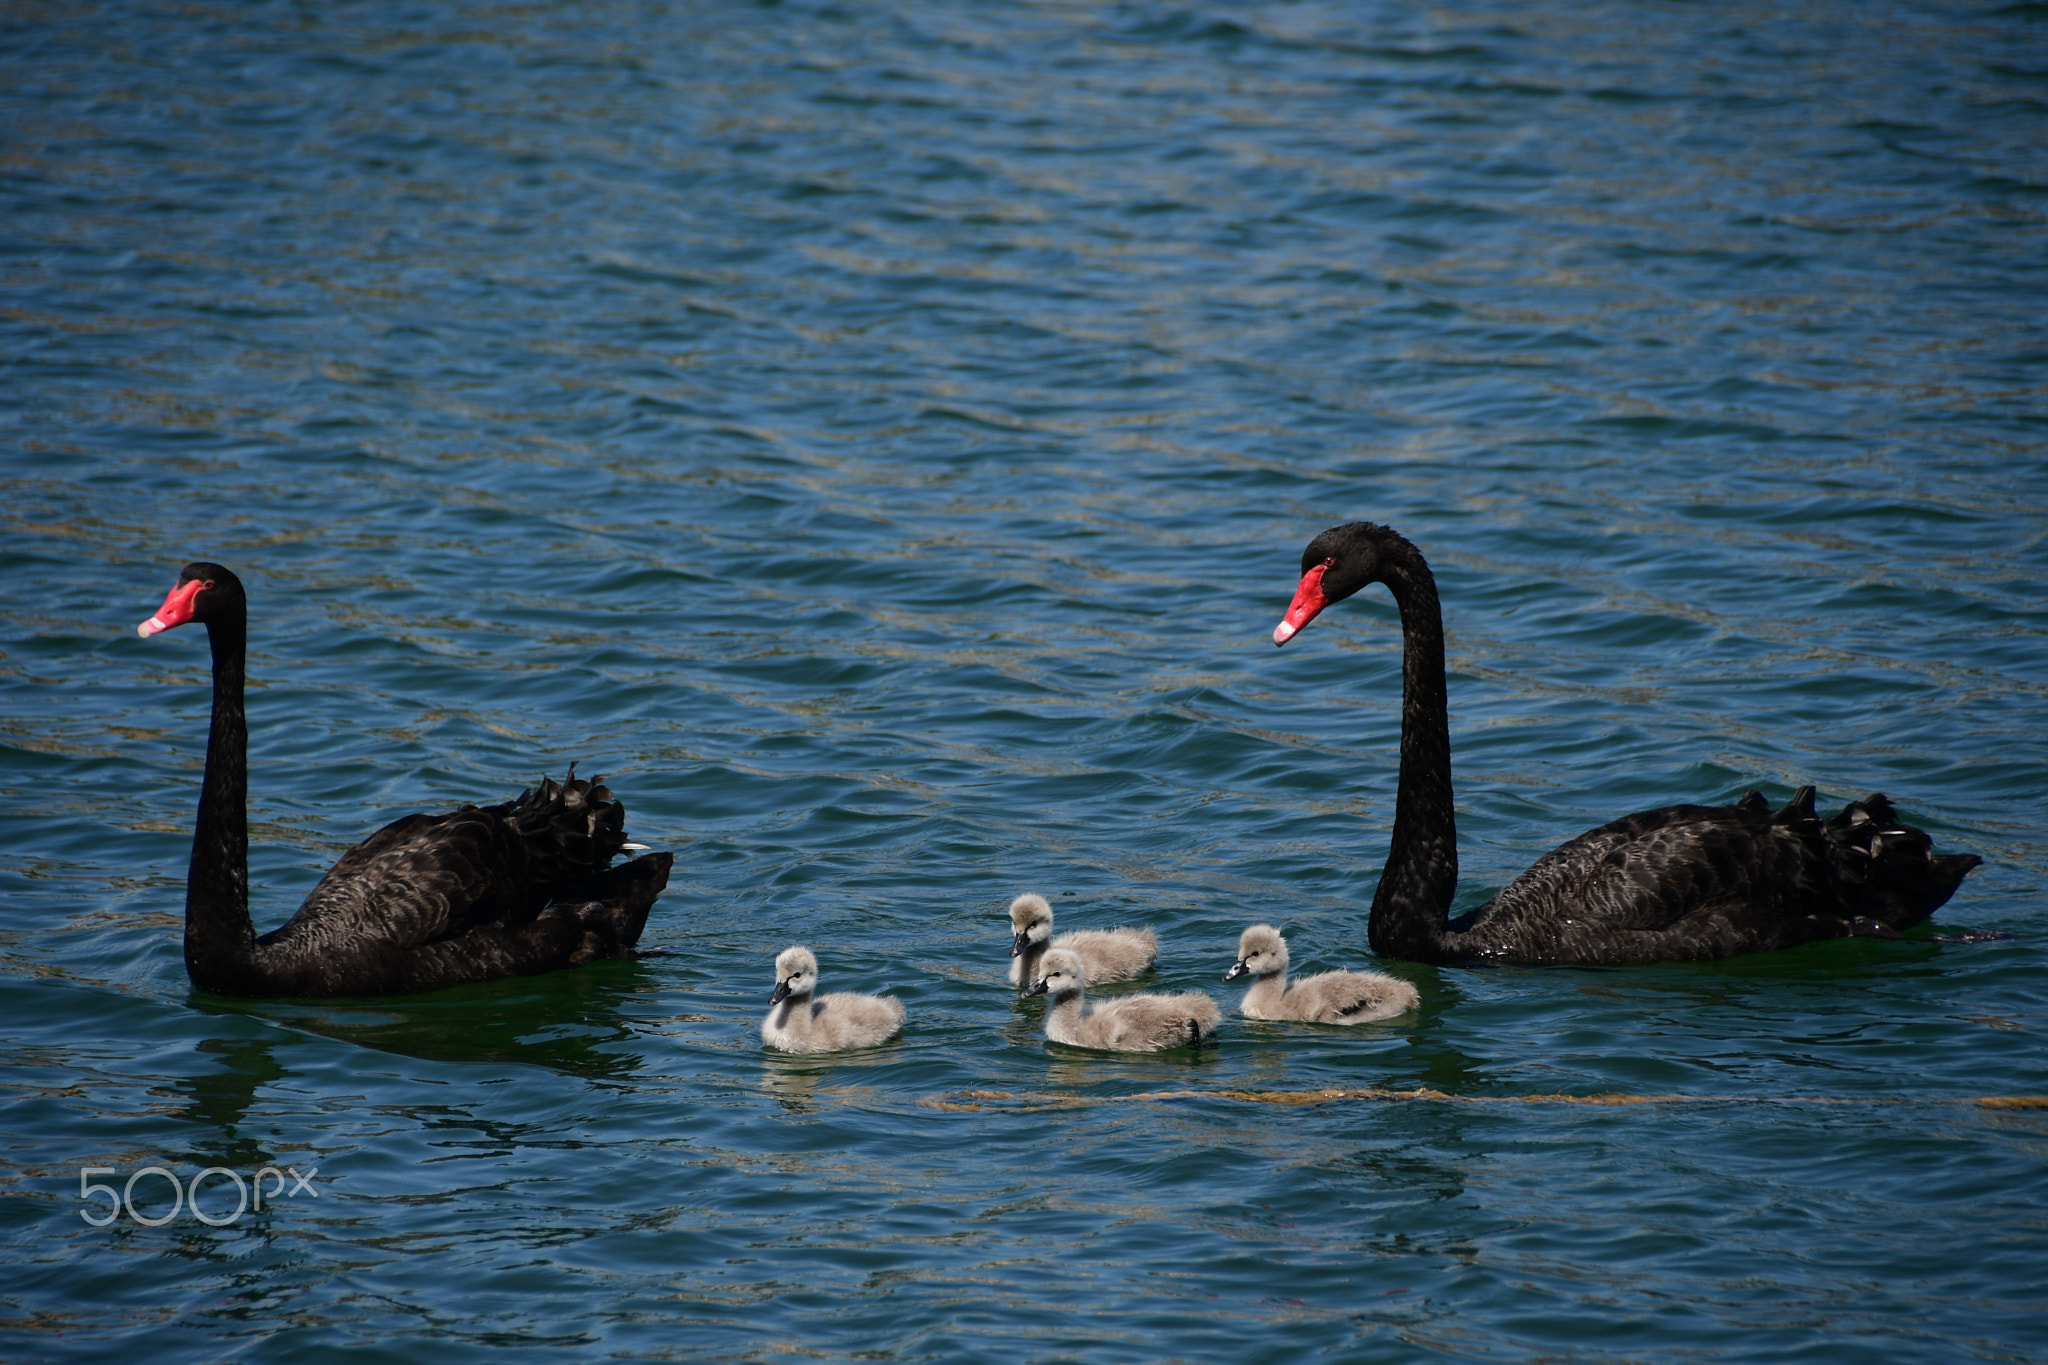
1897	878
613	906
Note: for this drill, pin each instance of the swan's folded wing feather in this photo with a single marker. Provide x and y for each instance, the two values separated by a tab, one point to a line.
419	880
1648	871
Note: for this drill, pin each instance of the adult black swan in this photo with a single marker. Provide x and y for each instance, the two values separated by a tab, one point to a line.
1679	883
425	902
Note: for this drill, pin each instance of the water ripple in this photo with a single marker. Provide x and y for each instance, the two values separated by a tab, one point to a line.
881	440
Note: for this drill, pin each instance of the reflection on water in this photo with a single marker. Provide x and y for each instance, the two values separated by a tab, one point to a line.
217	1102
570	1021
794	1085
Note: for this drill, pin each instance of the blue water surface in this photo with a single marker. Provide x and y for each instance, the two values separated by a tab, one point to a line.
881	439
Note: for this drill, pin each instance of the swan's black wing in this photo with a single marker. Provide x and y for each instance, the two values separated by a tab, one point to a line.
419	879
426	880
1699	882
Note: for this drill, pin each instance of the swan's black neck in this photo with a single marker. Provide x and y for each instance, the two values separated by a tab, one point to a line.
220	942
1411	908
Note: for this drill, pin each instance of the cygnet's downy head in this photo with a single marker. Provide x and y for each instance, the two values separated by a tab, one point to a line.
1060	974
796	973
1031	921
1260	951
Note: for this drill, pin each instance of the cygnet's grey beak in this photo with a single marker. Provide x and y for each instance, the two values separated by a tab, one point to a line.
781	993
1018	944
1038	986
1237	969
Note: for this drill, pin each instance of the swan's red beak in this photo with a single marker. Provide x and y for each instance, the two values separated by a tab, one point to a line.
176	610
1308	600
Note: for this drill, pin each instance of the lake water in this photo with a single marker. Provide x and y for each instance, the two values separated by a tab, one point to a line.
882	438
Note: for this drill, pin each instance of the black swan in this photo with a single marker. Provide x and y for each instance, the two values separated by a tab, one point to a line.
425	902
1683	883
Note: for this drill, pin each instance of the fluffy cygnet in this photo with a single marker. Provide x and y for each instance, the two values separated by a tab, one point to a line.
1109	954
830	1023
1128	1023
1327	998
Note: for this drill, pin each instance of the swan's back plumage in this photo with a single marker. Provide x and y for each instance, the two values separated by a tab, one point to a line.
1119	954
471	895
1141	1023
1340	997
1700	882
430	877
1127	1023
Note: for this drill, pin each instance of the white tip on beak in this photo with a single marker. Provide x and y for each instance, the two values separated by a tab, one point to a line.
1282	633
150	627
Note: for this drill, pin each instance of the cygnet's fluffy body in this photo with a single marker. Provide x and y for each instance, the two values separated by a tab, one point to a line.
798	1022
1109	954
1129	1023
1327	998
